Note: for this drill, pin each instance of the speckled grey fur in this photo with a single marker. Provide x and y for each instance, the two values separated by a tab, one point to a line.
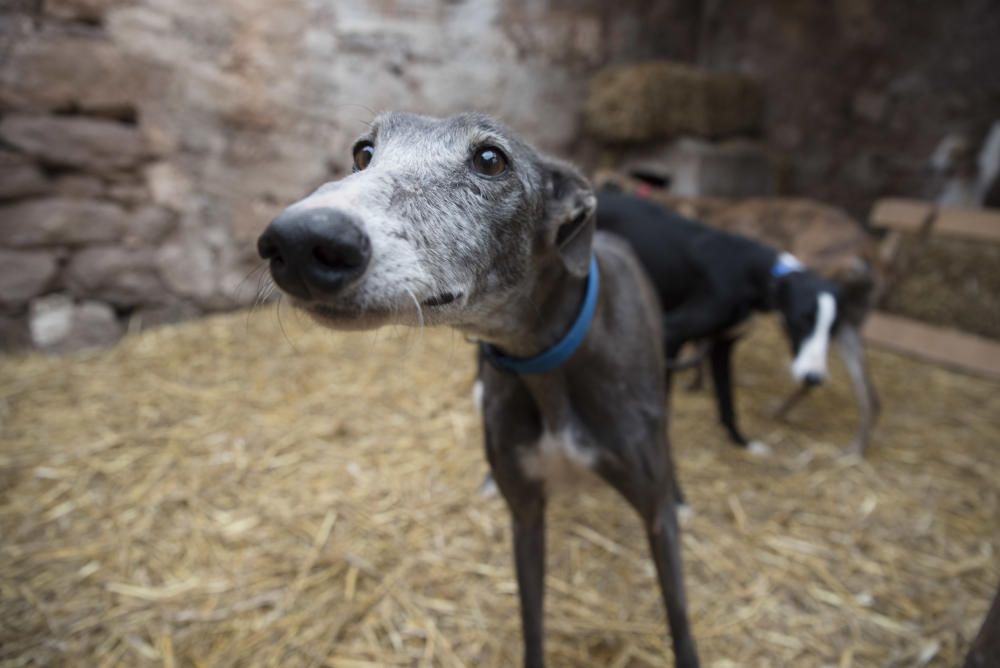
516	248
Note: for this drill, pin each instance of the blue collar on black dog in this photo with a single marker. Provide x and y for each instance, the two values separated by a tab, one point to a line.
786	264
560	352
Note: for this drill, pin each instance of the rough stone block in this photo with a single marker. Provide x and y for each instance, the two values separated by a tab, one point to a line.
70	141
61	220
187	266
149	225
14	333
660	99
128	192
20	177
79	185
25	274
80	10
59	325
169	186
56	71
117	275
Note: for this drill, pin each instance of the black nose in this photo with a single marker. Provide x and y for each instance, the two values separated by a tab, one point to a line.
812	379
315	253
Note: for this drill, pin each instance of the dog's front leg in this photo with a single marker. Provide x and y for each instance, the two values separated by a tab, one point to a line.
782	410
852	351
650	487
529	561
511	427
526	501
664	544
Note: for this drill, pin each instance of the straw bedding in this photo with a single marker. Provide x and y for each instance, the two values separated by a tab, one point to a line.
222	494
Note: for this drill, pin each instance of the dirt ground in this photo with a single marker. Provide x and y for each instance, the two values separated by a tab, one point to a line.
224	493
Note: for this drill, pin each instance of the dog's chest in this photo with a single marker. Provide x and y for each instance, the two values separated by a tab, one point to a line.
557	458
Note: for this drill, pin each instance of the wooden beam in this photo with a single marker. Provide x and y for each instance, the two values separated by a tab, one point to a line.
975	224
940	345
904	215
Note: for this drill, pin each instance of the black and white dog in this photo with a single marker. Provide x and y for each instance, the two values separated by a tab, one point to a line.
710	281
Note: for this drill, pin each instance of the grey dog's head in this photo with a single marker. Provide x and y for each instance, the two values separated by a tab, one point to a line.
444	221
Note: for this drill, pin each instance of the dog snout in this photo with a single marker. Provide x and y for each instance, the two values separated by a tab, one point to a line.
315	253
813	378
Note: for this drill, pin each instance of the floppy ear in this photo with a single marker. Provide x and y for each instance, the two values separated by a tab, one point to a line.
570	204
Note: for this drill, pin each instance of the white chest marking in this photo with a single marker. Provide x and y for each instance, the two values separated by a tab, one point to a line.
812	355
557	458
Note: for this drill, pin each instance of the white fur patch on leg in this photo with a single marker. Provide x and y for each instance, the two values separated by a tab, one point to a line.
477	396
759	449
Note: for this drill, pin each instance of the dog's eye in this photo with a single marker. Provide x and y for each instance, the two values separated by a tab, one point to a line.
363	152
489	161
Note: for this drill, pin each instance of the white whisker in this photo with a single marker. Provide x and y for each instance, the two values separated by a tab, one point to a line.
420	311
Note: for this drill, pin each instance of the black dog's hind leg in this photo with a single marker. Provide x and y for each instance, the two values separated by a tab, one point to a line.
721	356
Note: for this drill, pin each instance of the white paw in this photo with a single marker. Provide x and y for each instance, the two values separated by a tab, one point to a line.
477	395
759	449
488	489
684	515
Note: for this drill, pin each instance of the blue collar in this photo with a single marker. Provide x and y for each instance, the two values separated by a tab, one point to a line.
563	349
785	264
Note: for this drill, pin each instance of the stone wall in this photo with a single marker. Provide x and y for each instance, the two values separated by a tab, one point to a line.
145	143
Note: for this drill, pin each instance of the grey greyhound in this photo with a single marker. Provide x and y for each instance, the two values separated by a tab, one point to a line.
458	222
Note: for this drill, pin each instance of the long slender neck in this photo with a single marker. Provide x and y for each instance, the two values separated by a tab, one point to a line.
537	321
538	316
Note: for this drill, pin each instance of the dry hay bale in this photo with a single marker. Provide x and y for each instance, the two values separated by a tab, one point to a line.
658	99
222	493
950	282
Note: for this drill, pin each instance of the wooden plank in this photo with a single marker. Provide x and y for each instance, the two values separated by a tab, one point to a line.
949	347
976	224
905	215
